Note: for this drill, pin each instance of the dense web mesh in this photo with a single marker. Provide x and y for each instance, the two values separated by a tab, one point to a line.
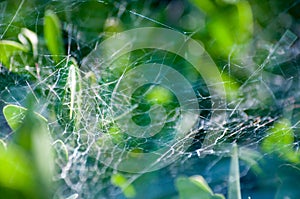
91	145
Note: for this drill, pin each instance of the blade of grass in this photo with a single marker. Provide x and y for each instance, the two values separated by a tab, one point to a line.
234	188
68	89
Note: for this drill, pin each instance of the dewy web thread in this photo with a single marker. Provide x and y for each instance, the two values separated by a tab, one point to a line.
179	44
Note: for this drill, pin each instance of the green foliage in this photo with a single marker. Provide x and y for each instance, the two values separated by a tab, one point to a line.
19	57
229	24
17	180
29	39
195	187
31	150
15	116
280	141
120	181
8	50
279	145
26	168
53	35
159	95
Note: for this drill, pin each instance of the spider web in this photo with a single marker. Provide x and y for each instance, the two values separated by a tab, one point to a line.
267	93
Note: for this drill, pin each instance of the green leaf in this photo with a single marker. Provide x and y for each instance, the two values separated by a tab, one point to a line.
53	35
279	136
280	141
245	21
16	172
229	25
14	56
8	49
31	133
33	137
206	6
27	164
15	115
30	39
159	95
219	30
195	187
120	181
41	150
234	188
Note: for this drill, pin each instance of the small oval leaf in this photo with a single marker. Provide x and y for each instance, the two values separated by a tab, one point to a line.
15	115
